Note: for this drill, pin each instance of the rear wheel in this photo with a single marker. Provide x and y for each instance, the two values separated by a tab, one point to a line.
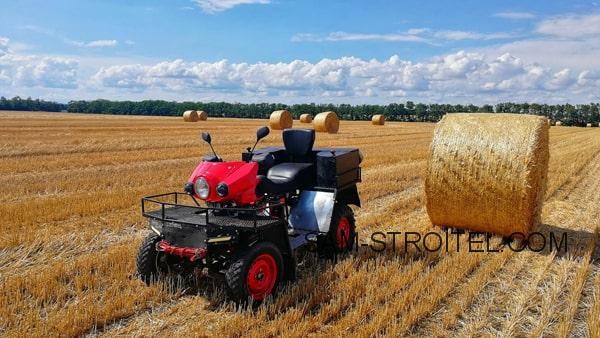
342	231
256	273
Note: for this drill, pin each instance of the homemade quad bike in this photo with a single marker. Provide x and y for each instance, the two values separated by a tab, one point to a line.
246	220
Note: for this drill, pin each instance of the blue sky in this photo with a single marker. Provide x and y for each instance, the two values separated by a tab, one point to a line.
302	51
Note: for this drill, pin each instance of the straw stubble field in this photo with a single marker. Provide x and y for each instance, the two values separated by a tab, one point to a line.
70	187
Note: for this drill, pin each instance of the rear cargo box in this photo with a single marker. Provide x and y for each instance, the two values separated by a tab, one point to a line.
338	168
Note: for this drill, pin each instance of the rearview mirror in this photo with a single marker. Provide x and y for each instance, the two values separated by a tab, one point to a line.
262	132
206	137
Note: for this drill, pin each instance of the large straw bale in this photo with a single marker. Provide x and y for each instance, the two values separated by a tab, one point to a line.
281	119
378	120
327	122
487	172
202	115
306	118
190	116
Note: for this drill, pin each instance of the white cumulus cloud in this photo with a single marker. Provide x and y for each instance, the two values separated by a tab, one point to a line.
51	72
33	71
461	76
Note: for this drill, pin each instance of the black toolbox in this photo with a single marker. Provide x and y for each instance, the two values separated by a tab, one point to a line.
338	168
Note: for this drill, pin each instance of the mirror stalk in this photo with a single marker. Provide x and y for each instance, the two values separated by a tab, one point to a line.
206	137
213	150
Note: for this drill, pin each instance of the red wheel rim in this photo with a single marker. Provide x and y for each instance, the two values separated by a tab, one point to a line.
343	233
262	276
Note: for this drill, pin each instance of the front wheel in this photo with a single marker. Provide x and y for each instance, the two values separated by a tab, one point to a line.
152	265
256	273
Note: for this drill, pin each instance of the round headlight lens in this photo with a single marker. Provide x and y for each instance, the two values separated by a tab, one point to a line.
201	187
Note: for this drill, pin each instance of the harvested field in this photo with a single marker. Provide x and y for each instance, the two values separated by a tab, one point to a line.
70	186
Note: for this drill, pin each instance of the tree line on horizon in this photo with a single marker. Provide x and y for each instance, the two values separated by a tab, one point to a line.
568	114
29	104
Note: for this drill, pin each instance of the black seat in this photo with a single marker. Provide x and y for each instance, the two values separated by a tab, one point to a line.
287	177
298	144
298	171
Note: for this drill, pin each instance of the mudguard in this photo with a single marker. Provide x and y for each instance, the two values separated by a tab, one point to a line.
349	195
313	211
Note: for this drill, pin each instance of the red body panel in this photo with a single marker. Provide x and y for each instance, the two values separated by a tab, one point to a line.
240	177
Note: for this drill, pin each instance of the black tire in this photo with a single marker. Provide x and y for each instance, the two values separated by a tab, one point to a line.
146	260
331	244
237	275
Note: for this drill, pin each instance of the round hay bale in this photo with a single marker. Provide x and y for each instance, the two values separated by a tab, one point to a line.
306	118
281	119
202	115
378	120
327	122
558	123
589	125
481	177
190	116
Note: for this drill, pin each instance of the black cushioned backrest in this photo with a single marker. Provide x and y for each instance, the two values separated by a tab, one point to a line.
298	143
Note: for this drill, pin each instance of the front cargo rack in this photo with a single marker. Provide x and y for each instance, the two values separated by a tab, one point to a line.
172	208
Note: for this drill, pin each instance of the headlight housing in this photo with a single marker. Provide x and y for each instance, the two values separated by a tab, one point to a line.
189	188
222	189
202	188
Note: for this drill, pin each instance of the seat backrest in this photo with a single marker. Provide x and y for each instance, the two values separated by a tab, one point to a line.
298	143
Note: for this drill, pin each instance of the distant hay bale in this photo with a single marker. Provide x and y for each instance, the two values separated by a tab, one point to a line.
281	119
327	122
306	118
558	123
481	177
202	115
589	125
378	120
190	116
